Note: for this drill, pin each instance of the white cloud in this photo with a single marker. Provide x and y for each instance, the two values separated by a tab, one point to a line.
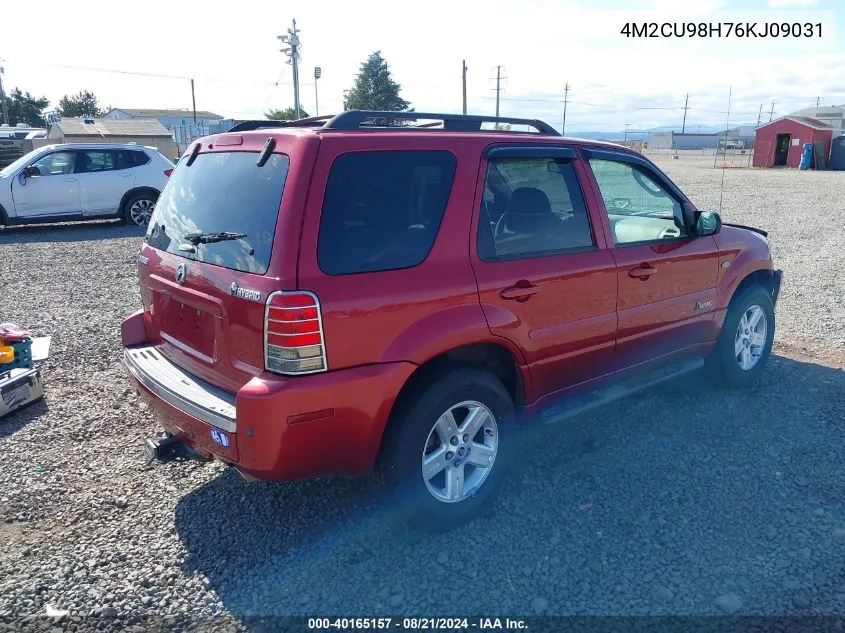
235	63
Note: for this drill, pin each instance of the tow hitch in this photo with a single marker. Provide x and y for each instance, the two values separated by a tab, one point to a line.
165	448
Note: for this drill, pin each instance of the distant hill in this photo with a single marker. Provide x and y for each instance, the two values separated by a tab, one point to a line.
642	135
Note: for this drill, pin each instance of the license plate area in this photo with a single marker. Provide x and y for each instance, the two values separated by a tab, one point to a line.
187	324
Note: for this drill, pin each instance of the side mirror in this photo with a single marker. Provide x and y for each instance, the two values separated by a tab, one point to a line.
707	223
22	178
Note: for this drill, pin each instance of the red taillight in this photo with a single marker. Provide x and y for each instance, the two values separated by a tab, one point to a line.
293	334
167	172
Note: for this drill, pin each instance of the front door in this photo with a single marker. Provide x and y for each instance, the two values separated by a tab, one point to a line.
781	149
667	277
104	176
545	280
52	190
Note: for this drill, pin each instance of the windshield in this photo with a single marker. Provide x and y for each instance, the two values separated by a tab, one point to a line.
23	160
221	192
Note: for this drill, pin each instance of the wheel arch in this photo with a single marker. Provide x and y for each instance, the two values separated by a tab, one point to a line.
764	277
134	192
494	358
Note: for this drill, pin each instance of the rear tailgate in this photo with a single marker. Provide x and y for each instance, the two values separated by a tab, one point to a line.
224	235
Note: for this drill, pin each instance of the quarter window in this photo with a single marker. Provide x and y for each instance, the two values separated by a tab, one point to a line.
532	207
382	209
639	207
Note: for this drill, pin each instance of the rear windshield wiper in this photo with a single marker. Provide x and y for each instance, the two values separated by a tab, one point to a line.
198	237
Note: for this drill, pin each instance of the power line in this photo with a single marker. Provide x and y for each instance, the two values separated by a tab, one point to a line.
138	73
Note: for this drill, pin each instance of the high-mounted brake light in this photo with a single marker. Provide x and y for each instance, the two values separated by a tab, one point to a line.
167	172
293	334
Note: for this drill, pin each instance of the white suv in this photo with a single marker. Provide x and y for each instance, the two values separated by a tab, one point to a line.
60	183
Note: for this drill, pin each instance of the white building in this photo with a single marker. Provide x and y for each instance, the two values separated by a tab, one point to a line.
180	123
834	116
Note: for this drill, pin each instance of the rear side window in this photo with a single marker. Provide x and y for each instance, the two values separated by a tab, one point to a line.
382	209
139	158
221	192
532	207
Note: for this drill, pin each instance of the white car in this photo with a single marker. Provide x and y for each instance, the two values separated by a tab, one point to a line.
60	183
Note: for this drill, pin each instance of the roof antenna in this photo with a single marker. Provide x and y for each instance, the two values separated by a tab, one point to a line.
725	162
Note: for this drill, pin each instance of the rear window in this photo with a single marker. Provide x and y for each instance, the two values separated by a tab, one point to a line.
222	192
382	209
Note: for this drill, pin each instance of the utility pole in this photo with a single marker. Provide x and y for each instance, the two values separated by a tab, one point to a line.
464	81
498	86
317	72
627	125
684	124
759	115
194	101
771	112
3	97
817	101
565	101
292	39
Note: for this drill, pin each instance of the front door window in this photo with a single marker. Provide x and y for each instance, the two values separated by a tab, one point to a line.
640	208
55	164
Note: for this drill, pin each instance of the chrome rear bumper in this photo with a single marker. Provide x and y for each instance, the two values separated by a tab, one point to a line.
182	390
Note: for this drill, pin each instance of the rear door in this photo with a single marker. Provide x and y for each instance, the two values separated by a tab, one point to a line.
666	276
54	191
104	176
206	301
545	279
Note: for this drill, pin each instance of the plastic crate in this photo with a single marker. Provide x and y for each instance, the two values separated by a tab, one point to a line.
23	356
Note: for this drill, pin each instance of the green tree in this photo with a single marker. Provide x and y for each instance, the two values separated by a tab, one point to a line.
288	114
24	108
83	103
374	88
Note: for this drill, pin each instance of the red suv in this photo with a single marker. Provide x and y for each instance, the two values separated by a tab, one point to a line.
328	295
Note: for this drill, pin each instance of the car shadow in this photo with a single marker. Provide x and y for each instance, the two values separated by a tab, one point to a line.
69	232
687	491
15	421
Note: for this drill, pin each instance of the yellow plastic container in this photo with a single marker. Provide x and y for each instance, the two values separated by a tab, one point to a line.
7	354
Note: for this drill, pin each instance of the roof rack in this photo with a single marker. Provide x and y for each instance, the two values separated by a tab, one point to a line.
314	121
374	119
357	119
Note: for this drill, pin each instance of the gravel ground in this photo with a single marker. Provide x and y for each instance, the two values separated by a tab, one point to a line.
680	501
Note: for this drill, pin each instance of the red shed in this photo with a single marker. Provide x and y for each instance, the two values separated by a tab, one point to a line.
780	142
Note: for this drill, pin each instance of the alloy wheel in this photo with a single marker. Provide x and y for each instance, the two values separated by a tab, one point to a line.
460	451
750	339
141	211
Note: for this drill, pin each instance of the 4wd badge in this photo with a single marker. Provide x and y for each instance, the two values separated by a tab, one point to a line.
244	293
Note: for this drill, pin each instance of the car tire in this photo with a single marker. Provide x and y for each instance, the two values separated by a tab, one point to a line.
139	208
461	489
745	343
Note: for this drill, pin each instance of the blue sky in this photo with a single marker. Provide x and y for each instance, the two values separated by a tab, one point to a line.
232	52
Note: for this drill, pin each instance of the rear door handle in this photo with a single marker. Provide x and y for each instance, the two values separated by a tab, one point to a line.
70	179
521	291
642	272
